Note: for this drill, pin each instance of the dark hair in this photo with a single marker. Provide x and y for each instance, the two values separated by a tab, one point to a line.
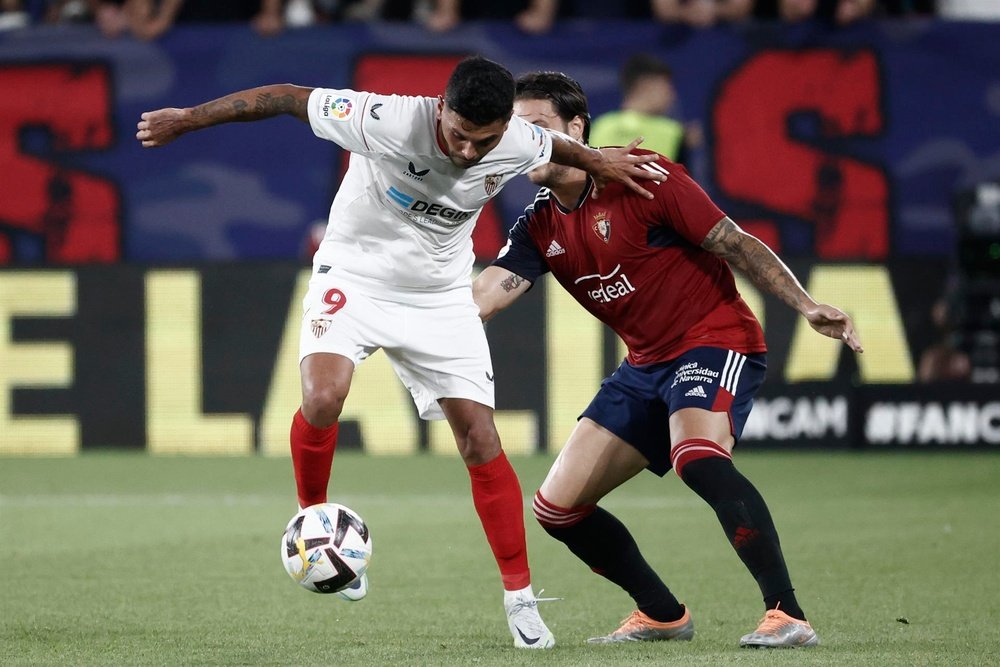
480	91
642	65
564	93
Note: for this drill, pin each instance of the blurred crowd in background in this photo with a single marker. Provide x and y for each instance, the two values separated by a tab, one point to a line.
148	19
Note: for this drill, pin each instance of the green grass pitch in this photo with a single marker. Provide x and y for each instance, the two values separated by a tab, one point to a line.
113	559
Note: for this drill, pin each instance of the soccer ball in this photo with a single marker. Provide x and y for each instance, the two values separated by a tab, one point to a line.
326	547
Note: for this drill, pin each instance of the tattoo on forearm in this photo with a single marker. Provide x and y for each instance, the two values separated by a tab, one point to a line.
263	103
238	108
511	282
267	104
218	111
756	260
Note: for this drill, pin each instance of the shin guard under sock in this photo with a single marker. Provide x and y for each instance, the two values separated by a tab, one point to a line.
312	457
746	521
600	540
496	494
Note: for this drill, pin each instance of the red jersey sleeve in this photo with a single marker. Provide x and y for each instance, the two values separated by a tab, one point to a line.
684	205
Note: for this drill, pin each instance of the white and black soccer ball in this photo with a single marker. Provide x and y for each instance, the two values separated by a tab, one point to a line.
326	547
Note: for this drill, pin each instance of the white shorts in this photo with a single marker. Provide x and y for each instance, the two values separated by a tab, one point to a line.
435	341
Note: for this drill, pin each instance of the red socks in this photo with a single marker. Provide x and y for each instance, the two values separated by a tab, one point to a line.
312	457
496	493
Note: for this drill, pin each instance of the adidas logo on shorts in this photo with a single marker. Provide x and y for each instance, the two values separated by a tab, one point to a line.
555	249
698	391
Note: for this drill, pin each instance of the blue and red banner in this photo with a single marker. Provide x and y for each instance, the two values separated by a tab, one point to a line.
837	144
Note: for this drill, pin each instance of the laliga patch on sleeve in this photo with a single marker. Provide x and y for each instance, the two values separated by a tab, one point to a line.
337	108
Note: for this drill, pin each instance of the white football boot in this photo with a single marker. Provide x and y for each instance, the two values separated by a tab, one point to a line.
356	591
527	627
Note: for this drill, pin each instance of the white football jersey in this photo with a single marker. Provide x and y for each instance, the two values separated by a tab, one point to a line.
404	214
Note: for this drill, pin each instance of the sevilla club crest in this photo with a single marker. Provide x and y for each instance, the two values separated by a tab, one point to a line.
320	327
491	184
602	226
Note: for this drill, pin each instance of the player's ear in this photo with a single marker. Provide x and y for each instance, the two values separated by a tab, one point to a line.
440	107
575	128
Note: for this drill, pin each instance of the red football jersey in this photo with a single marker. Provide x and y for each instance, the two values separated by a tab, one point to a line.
638	265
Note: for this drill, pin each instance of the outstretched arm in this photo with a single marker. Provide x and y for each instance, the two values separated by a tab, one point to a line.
495	289
160	127
606	164
766	271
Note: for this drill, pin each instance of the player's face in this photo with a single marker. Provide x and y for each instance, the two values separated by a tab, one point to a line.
543	114
466	142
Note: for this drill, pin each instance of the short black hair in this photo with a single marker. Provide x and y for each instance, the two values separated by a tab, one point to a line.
481	91
564	93
642	65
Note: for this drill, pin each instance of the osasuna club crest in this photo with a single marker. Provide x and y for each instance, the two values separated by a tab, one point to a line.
491	183
602	226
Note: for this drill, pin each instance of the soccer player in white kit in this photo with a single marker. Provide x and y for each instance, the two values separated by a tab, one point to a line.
394	272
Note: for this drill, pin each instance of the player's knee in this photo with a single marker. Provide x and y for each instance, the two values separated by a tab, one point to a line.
478	443
551	516
322	405
688	451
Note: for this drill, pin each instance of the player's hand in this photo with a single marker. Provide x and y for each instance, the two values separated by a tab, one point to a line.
620	166
834	323
160	127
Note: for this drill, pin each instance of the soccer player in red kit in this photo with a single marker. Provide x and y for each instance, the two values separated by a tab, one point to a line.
657	272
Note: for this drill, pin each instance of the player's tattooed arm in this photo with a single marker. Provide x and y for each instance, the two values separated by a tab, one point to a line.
749	255
511	282
495	289
157	128
769	273
606	165
254	104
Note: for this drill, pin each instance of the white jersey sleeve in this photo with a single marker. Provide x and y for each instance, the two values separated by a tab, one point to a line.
538	140
348	118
